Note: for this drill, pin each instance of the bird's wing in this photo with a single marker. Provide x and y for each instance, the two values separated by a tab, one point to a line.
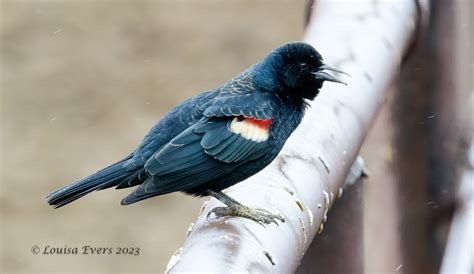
257	105
223	140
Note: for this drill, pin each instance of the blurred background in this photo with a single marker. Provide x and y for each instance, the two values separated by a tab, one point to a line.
81	84
83	81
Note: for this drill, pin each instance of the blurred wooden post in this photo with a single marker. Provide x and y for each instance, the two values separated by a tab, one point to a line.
459	251
459	255
429	138
305	179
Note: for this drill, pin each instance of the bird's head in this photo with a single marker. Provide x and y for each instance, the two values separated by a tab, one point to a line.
298	69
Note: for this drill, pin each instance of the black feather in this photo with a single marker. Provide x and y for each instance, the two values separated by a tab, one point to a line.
214	137
248	146
107	177
224	144
136	178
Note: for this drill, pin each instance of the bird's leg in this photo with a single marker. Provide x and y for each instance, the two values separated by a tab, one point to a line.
234	208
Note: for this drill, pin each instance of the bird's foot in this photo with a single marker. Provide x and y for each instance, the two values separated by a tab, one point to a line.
261	216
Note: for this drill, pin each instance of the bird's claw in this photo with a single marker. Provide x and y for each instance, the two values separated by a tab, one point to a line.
261	216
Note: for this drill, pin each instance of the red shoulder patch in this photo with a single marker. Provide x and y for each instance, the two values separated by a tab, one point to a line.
263	124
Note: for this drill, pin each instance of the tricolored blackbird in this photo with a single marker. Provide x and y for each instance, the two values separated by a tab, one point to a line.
218	138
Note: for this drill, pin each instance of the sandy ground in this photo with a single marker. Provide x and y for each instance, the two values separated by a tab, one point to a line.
81	83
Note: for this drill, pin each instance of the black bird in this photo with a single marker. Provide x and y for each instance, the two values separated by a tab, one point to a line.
218	138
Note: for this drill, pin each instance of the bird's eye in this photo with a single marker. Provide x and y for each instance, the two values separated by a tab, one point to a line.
304	66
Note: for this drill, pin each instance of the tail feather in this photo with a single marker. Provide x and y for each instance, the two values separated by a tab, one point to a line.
107	177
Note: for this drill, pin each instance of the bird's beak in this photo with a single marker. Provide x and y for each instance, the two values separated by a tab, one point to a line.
320	74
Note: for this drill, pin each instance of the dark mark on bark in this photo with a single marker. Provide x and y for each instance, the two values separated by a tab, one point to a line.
387	43
324	164
368	77
350	57
281	162
300	204
270	257
291	192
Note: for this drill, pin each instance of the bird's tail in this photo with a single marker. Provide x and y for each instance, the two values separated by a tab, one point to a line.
105	178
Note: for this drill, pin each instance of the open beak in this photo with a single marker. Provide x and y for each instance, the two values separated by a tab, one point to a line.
321	74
